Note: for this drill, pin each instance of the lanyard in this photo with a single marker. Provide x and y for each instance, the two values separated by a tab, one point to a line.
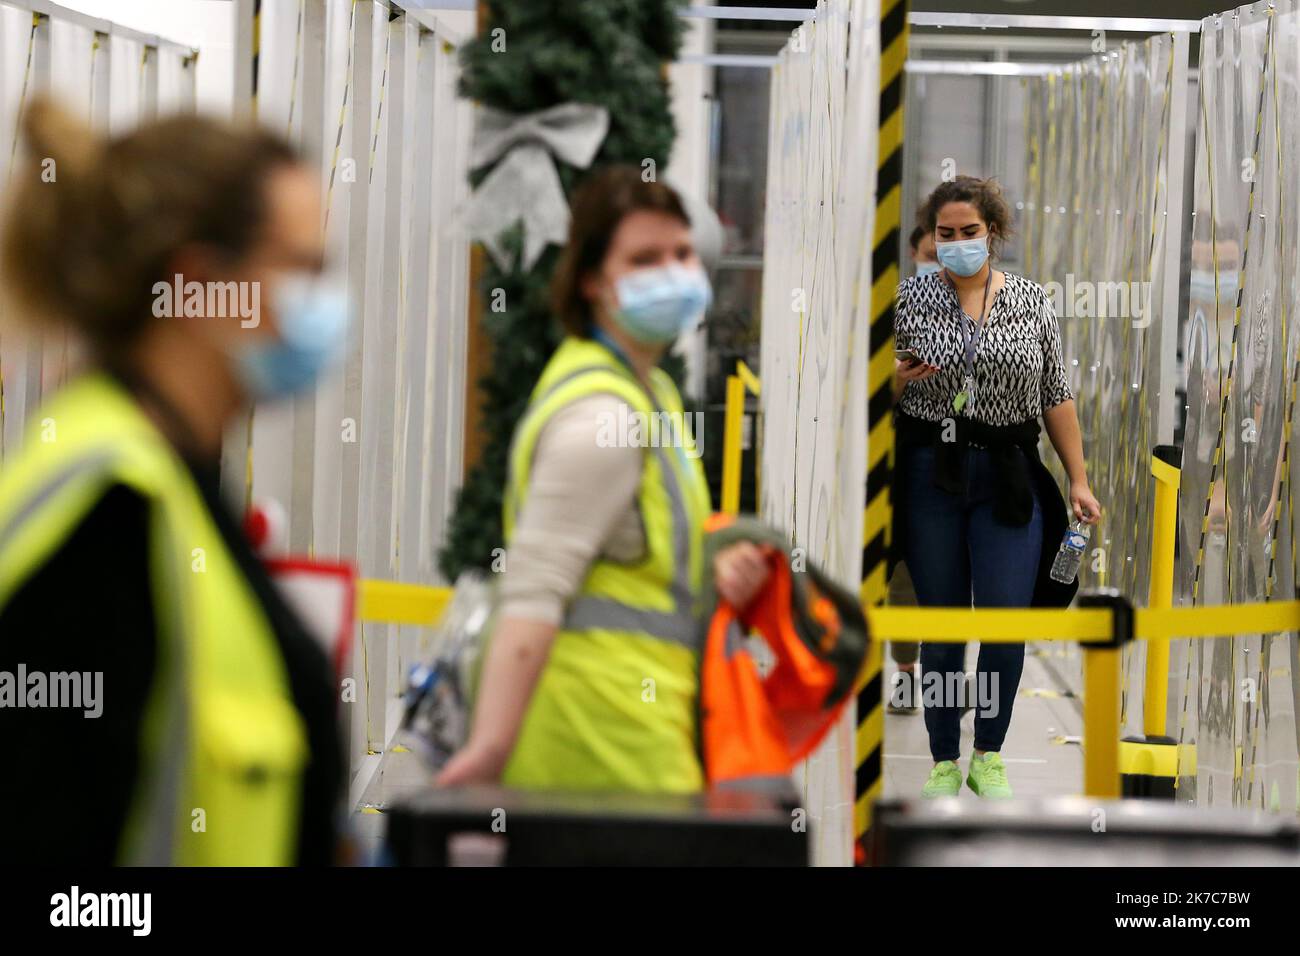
971	332
678	441
604	338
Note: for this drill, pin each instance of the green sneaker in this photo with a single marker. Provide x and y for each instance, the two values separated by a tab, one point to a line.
988	777
945	780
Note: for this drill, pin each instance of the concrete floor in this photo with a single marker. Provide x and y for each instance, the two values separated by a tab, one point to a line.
400	772
1042	753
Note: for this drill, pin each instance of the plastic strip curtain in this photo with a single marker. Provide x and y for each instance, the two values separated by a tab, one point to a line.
114	82
1236	699
1094	228
367	467
816	296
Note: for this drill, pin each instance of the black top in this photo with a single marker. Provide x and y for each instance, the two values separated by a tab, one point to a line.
70	780
1019	371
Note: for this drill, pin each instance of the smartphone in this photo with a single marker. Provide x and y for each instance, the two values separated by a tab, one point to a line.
907	355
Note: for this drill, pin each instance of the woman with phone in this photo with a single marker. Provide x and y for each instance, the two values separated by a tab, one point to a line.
978	517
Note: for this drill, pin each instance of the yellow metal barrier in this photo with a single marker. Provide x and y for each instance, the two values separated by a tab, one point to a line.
994	625
752	384
1155	699
1101	706
392	602
731	450
755	388
1100	624
1221	620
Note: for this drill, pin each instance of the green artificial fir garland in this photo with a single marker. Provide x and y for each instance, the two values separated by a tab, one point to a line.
534	54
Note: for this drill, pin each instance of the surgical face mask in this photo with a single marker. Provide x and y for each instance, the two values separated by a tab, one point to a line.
1202	286
312	330
657	305
964	257
926	268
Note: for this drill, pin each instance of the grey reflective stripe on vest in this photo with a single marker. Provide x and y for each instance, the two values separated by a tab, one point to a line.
158	813
680	626
90	464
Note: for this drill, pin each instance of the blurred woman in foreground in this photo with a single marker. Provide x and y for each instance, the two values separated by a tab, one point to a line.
216	741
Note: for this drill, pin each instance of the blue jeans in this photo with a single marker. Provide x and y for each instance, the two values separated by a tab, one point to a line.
957	553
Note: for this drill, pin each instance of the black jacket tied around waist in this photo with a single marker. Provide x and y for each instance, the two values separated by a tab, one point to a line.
1021	475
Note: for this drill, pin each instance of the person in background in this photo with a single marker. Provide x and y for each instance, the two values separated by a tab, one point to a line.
921	245
216	741
905	689
590	679
977	515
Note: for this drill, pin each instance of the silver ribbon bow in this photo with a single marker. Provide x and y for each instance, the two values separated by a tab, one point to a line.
525	186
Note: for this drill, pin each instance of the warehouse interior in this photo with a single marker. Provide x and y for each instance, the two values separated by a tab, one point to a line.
1144	156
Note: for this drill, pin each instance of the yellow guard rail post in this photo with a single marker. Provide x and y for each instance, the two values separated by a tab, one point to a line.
1155	702
754	387
1101	695
731	450
1149	764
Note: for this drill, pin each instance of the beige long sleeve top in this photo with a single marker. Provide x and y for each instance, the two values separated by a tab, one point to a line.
581	504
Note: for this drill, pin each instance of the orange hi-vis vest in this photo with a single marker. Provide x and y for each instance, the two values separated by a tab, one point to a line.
756	725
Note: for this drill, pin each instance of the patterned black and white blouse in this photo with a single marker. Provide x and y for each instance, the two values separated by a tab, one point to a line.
1019	371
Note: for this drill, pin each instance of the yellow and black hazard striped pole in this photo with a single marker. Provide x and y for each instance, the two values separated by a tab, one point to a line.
869	741
257	50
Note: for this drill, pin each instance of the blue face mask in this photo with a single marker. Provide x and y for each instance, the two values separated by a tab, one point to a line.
926	268
963	257
312	330
1202	286
657	305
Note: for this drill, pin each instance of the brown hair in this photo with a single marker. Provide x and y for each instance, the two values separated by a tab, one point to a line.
599	204
984	194
93	223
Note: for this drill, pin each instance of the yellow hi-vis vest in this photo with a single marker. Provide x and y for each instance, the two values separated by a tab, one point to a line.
223	746
615	708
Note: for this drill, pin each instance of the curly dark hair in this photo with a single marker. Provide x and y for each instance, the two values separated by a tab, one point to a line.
984	194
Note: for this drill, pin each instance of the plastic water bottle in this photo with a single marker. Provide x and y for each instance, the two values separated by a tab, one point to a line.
1065	568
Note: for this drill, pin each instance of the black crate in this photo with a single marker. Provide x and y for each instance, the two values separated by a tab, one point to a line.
490	825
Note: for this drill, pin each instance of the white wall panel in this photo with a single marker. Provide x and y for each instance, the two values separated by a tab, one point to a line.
816	296
104	73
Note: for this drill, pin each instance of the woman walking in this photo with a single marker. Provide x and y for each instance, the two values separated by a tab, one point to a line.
977	514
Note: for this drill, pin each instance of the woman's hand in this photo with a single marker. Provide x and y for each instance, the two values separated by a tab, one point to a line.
912	371
740	571
473	763
1083	503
